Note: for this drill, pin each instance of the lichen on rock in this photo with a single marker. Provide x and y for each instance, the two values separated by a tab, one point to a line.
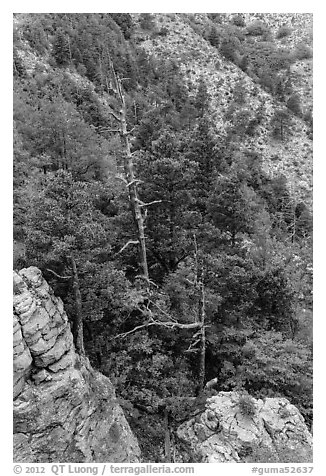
269	430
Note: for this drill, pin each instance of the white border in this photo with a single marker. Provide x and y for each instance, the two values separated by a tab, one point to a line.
319	185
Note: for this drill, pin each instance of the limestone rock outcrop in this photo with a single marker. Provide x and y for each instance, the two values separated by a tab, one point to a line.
238	429
64	411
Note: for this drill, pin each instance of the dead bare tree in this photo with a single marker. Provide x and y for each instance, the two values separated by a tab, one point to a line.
200	336
202	316
138	208
161	318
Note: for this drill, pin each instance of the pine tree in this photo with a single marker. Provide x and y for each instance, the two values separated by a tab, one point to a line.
202	98
233	206
294	104
281	123
65	234
61	48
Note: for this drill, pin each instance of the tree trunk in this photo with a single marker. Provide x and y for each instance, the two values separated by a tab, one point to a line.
70	55
233	235
294	225
135	204
78	323
133	197
167	440
202	315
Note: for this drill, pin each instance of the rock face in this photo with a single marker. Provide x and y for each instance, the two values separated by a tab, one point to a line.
236	428
63	409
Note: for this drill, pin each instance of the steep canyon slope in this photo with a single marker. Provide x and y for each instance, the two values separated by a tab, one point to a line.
185	42
66	411
219	127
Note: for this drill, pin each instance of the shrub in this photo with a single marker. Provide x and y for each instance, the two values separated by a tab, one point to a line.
273	366
281	124
163	31
257	28
214	37
302	51
308	117
19	68
125	23
240	92
35	33
247	405
238	20
229	48
81	70
244	63
61	48
263	454
215	17
146	21
283	32
294	104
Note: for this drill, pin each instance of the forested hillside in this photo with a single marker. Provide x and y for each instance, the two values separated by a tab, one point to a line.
162	183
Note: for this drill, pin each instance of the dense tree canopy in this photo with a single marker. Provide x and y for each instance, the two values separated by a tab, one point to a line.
218	228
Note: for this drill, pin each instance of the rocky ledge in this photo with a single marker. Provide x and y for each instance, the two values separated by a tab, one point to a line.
64	411
236	428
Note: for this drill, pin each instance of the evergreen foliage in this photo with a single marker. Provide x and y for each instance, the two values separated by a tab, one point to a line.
214	216
283	32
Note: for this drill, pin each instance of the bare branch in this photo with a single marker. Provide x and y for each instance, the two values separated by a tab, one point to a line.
192	345
185	254
106	129
133	182
212	382
167	324
142	204
178	325
148	281
129	132
130	242
137	328
192	283
173	323
121	177
109	86
162	311
58	275
198	333
114	114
